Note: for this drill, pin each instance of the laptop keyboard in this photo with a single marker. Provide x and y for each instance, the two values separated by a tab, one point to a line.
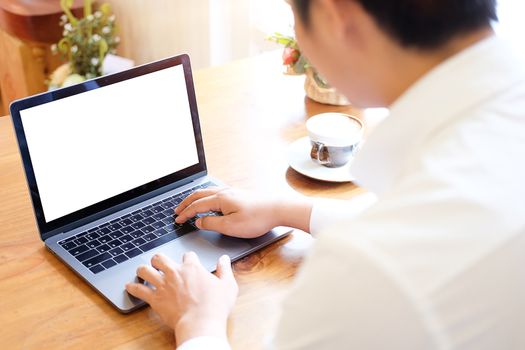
116	241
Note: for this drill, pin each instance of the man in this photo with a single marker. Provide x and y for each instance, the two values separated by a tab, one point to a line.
438	261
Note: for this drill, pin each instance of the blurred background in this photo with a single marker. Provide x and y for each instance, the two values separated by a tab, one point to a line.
213	32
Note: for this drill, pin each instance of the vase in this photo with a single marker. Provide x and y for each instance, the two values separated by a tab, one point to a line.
329	96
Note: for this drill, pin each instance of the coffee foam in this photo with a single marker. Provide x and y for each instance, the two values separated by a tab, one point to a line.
334	129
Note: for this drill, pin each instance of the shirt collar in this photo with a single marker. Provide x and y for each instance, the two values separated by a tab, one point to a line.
458	84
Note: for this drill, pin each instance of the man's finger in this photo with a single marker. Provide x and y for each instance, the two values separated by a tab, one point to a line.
213	223
202	205
150	275
140	291
163	263
190	258
224	268
196	196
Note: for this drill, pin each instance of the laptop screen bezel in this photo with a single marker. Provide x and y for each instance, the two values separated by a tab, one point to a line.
103	208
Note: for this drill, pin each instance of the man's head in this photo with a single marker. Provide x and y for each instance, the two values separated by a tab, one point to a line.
359	39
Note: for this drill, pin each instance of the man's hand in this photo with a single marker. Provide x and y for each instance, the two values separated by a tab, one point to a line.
244	215
187	297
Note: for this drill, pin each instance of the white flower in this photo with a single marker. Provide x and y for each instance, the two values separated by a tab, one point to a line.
117	39
74	48
54	47
95	37
90	18
98	14
63	18
112	18
65	32
68	27
94	61
106	30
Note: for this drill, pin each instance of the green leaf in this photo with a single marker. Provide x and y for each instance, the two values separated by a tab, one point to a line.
66	7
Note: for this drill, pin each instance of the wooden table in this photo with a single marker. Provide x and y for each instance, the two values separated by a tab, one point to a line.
250	112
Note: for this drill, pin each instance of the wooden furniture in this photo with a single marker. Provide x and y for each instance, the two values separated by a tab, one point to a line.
250	112
27	30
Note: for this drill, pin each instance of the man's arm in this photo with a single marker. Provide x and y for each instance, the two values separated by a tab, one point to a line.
244	215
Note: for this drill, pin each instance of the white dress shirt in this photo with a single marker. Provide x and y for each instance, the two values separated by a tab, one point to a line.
438	262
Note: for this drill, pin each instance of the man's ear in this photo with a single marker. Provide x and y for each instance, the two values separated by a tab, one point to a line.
344	16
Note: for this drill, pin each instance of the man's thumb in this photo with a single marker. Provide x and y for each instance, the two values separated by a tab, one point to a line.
224	268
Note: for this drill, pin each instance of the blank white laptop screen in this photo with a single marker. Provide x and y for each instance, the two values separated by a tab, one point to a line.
98	144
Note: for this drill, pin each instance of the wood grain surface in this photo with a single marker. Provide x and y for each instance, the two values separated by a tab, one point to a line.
250	112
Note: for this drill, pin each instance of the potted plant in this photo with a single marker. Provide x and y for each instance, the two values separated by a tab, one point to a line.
296	63
85	43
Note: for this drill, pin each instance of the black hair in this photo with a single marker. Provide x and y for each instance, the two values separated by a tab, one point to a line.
424	24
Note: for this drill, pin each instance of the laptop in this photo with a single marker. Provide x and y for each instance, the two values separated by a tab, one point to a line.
106	163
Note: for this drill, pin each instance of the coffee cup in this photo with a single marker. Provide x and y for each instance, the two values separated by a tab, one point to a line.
335	137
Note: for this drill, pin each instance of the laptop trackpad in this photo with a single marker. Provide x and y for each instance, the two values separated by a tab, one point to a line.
208	245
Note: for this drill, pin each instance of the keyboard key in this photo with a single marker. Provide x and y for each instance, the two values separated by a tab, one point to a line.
133	252
149	237
109	263
120	258
115	226
92	230
147	213
126	238
78	250
168	220
167	205
93	244
116	251
104	231
127	229
147	229
97	259
105	239
68	245
87	255
138	225
116	234
136	234
148	220
137	217
157	209
159	241
126	222
103	248
127	246
160	216
81	240
139	241
158	224
114	243
92	236
97	269
161	232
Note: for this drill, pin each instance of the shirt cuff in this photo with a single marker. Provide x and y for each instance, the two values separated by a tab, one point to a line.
204	343
331	212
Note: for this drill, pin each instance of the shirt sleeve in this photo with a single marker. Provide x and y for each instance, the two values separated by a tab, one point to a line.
344	297
330	212
205	343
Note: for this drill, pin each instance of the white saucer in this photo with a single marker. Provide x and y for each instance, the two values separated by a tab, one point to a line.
300	161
